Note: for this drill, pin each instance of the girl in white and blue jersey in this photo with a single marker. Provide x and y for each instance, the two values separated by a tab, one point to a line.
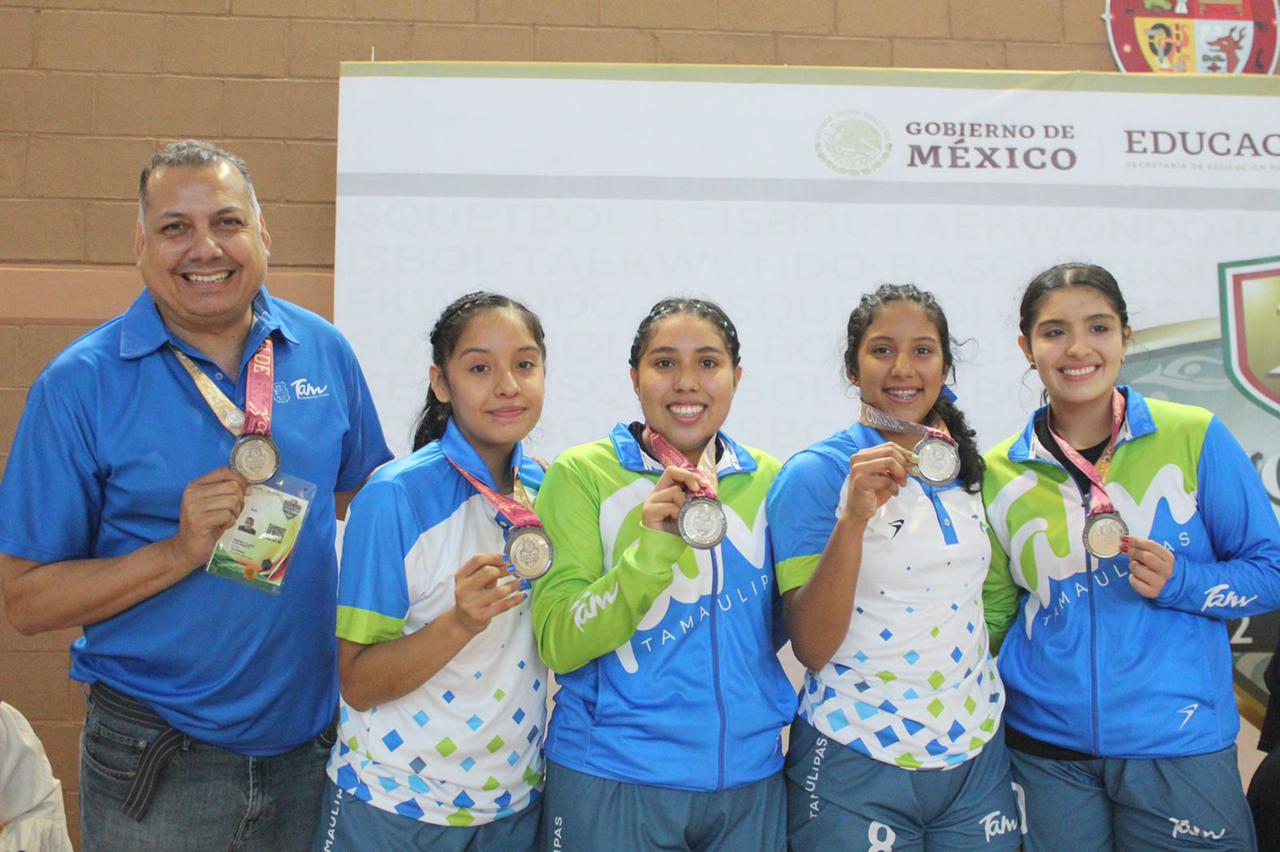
897	743
443	693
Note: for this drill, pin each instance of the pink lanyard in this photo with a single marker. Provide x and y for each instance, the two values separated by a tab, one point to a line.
259	391
515	511
885	420
666	452
1099	502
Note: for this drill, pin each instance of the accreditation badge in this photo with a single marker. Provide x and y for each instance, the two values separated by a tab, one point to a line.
258	547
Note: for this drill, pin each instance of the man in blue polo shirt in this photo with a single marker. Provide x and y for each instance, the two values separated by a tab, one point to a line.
209	698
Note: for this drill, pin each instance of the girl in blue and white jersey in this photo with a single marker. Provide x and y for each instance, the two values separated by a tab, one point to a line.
897	744
443	694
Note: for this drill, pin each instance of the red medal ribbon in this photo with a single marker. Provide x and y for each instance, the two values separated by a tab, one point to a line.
1099	502
666	452
885	420
259	390
513	510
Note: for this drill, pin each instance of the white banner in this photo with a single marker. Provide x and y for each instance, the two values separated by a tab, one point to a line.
589	192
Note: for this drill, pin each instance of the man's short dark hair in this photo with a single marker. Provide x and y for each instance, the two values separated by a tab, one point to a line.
195	154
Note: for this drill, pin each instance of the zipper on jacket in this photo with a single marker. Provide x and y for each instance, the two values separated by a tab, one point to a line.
717	582
1094	736
1094	726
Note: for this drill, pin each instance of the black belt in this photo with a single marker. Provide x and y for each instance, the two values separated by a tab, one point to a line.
155	755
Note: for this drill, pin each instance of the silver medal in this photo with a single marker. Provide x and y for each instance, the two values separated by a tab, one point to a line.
1102	534
255	457
939	461
530	552
702	523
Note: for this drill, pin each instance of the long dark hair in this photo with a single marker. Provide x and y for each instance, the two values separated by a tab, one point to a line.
445	335
1073	274
869	307
707	310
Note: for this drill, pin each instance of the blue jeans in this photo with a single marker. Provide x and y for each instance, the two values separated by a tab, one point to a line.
207	798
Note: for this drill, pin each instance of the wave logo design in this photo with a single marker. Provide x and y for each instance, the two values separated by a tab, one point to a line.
1060	554
748	539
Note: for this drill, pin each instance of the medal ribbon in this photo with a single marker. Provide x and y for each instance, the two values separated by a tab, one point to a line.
666	452
517	510
884	420
1099	502
259	389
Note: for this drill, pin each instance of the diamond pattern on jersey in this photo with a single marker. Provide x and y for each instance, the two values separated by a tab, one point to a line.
915	685
459	756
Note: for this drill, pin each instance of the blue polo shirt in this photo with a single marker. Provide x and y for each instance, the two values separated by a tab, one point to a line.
112	432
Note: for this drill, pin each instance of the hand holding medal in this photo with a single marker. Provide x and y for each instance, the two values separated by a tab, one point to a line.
937	458
1150	565
875	476
210	505
482	590
699	518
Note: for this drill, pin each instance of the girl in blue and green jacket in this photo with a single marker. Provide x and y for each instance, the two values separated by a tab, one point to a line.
1120	717
667	727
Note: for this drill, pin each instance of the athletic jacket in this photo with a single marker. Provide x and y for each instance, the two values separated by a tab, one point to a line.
664	654
1089	664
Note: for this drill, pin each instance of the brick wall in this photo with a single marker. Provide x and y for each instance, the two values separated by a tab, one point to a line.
88	88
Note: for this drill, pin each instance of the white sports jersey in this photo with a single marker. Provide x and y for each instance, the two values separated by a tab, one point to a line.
913	683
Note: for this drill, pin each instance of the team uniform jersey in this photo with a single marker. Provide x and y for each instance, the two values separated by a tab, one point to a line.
913	683
665	654
464	748
1089	664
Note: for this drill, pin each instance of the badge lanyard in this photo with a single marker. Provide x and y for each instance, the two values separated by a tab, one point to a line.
254	455
529	548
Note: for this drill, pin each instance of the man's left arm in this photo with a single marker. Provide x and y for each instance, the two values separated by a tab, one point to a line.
363	446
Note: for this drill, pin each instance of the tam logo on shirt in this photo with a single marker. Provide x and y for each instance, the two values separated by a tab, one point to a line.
303	389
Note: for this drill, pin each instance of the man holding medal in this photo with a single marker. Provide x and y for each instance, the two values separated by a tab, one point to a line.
140	449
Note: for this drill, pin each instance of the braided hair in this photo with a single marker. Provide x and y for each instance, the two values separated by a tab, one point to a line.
707	310
860	319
